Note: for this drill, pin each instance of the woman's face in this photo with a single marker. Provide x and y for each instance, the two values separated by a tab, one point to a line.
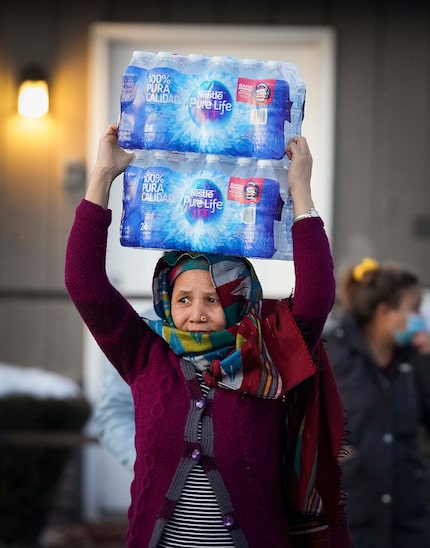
195	305
409	304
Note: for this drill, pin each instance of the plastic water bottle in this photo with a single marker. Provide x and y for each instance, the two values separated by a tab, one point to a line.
222	66
298	108
163	97
132	205
219	163
168	59
244	190
197	66
262	93
265	193
163	184
285	242
273	96
199	206
283	223
210	109
132	101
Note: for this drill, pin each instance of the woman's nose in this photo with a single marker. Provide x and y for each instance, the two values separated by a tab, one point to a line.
198	311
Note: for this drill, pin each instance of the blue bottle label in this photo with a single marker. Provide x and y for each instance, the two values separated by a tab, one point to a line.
210	105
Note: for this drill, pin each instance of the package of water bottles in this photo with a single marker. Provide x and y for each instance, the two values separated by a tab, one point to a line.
210	105
189	201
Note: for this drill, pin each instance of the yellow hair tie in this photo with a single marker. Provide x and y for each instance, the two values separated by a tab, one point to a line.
366	265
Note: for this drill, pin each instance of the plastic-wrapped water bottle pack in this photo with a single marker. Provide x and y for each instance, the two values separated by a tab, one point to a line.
209	136
210	105
207	202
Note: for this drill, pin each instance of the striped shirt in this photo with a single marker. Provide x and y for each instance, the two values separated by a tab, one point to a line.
197	520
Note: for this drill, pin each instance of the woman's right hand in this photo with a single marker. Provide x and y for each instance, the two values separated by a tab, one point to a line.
111	161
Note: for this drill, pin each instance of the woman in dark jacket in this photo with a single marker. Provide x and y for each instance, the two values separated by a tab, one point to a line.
380	352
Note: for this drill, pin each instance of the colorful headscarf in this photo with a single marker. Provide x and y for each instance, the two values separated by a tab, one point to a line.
234	357
187	263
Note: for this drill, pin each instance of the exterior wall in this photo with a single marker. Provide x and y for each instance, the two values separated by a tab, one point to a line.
382	195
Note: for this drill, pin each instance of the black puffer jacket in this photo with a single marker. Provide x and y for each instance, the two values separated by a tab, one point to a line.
385	473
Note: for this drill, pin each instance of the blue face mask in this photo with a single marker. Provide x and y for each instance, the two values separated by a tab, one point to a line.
415	323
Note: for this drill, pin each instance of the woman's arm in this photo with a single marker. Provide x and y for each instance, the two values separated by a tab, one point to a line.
313	264
111	162
113	322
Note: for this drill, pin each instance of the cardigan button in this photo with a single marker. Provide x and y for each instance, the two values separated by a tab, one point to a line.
196	454
386	498
200	404
388	438
228	520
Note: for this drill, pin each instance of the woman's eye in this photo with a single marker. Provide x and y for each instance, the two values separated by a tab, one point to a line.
184	300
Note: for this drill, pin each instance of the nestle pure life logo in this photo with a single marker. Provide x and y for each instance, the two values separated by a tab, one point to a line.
203	201
210	103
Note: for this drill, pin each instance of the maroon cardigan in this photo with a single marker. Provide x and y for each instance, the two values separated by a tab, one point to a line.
247	450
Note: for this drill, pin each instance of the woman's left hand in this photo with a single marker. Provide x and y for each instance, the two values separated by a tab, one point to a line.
299	174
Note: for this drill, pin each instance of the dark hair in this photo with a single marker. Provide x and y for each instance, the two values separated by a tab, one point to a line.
361	291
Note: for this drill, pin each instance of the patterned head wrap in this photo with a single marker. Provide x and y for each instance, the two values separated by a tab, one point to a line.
234	357
234	279
187	262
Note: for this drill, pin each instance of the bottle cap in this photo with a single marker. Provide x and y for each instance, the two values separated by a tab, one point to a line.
244	160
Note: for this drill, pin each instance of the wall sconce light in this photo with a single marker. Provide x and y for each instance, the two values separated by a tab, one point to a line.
33	96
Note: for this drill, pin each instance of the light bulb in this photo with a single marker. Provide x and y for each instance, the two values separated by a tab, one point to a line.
33	98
